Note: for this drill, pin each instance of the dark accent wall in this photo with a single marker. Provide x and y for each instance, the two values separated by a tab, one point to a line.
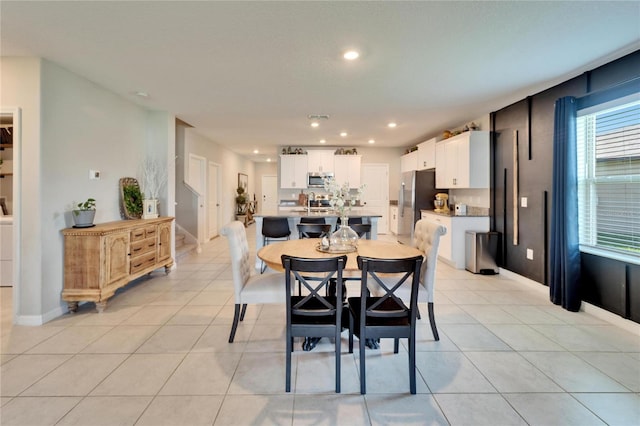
610	284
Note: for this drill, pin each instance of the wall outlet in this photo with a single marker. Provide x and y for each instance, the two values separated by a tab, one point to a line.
523	202
94	174
529	254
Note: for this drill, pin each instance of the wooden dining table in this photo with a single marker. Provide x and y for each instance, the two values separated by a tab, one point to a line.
271	254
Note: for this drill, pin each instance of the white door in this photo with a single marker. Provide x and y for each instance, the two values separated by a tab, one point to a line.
376	194
213	205
269	204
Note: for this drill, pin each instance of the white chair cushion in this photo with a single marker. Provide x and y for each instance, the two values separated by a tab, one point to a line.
265	288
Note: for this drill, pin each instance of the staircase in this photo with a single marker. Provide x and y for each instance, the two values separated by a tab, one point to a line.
182	248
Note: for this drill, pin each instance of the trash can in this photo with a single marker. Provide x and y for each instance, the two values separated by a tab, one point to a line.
481	252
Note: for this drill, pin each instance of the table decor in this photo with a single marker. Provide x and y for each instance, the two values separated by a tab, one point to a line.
342	199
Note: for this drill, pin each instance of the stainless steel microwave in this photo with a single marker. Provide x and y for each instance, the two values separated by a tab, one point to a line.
316	179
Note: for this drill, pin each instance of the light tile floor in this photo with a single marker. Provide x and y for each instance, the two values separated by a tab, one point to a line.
159	356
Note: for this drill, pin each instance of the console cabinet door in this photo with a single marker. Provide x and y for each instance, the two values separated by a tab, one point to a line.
164	241
116	257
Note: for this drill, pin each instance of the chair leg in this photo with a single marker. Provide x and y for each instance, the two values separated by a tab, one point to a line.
351	325
288	361
396	345
236	317
363	375
338	356
244	311
412	363
432	320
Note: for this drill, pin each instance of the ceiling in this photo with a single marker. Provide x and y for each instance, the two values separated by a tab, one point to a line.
248	74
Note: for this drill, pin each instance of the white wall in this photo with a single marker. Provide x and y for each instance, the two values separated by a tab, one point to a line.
69	125
230	165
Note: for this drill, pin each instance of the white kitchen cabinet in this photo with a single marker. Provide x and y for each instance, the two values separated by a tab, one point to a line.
293	171
409	162
393	219
427	154
462	161
320	161
347	169
452	244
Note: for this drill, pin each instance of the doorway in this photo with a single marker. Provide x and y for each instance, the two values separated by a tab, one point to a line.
10	118
269	205
376	196
213	205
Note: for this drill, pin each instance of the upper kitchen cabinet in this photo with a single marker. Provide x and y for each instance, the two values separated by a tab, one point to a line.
293	171
347	169
409	162
462	161
427	154
320	161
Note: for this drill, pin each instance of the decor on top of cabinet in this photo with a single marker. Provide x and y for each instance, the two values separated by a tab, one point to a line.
293	151
84	214
411	149
154	177
131	205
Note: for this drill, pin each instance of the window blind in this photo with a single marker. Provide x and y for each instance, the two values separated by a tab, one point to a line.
609	178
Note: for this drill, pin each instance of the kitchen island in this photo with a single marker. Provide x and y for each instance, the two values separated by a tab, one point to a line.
294	215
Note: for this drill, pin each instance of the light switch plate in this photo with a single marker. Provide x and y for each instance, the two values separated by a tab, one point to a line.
94	174
523	202
529	254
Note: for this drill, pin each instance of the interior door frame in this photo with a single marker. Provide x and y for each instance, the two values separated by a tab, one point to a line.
218	189
16	112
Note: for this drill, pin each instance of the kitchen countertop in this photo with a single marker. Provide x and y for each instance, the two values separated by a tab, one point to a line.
452	214
318	212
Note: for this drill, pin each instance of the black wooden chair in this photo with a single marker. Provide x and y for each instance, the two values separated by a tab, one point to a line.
362	229
386	316
313	230
313	314
274	229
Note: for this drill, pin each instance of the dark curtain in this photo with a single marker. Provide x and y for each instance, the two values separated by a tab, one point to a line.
564	262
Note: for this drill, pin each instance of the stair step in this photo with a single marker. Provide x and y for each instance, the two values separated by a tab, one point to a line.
179	240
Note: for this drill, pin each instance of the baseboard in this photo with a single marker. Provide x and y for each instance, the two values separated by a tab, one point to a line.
35	320
596	311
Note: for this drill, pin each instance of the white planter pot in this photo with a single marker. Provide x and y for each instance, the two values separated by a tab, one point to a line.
83	218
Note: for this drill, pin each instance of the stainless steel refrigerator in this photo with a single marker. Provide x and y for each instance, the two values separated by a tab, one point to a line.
417	192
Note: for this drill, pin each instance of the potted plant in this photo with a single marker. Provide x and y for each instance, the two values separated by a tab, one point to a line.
84	213
241	201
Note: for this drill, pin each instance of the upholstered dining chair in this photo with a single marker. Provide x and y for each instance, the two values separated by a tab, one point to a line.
387	315
427	240
313	314
248	288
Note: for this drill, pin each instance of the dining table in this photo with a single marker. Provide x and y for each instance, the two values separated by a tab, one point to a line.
310	248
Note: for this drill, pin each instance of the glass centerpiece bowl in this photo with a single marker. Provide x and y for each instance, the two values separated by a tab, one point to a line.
342	199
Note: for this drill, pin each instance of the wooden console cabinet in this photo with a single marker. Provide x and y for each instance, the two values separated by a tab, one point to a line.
101	259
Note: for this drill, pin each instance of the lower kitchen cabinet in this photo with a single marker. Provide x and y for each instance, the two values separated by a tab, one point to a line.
452	244
101	259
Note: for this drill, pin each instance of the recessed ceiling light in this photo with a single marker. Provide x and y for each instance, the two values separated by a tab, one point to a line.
255	151
323	141
392	125
315	124
371	141
142	94
350	55
343	134
268	160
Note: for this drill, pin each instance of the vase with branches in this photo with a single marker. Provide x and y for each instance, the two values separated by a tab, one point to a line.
154	178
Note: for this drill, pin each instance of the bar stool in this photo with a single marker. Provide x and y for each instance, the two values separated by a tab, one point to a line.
274	229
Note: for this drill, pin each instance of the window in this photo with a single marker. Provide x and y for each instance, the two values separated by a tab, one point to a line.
609	179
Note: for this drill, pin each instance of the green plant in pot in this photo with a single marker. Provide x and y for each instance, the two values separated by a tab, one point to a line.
241	201
84	213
